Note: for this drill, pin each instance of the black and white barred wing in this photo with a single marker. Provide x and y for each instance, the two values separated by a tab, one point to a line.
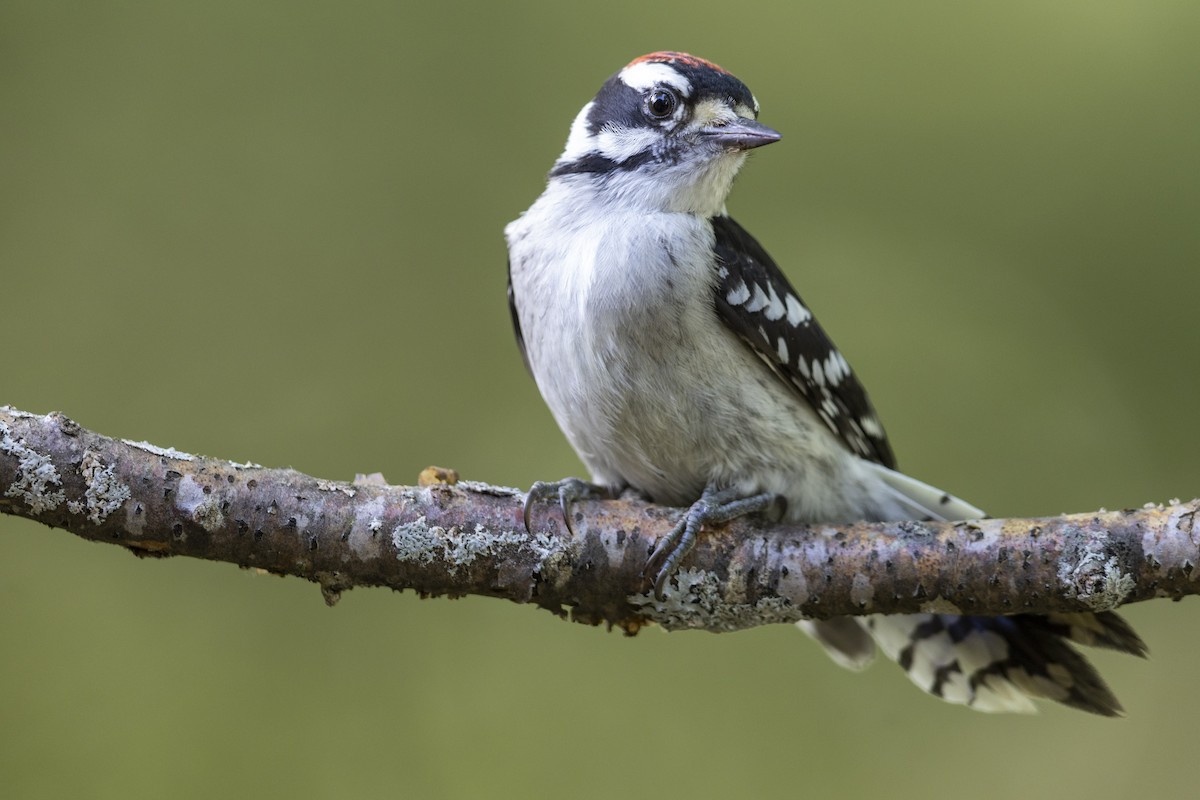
987	663
756	302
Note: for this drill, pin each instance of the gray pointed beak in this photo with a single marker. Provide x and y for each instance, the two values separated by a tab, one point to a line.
742	134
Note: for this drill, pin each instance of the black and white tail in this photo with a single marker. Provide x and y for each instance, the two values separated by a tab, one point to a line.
987	663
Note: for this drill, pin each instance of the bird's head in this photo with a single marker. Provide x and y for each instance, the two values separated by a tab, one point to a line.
667	133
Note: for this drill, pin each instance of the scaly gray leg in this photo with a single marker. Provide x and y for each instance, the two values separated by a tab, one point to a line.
714	507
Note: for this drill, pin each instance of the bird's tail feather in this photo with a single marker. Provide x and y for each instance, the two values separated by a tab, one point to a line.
925	501
986	663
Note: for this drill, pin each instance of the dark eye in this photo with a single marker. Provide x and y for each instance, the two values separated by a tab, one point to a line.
661	103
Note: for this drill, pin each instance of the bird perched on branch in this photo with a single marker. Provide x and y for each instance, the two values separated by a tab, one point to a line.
680	362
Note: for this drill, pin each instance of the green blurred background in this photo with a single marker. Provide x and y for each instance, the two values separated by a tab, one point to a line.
272	231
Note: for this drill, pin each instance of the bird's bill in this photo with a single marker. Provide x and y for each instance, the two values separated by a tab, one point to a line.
742	134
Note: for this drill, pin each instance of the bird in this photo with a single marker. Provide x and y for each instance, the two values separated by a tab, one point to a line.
681	365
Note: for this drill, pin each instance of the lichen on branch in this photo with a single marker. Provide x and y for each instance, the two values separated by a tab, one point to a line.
451	537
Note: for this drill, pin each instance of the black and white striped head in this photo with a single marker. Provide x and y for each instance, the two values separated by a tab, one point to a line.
668	132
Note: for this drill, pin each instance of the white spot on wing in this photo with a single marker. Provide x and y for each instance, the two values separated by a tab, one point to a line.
759	300
833	368
579	142
871	426
775	308
818	374
738	294
796	312
782	350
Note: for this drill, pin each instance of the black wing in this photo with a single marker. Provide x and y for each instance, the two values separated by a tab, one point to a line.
756	301
516	321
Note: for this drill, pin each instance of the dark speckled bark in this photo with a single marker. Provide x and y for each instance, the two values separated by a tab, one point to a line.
468	538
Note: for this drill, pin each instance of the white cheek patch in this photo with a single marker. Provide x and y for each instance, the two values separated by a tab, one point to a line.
579	142
621	144
648	74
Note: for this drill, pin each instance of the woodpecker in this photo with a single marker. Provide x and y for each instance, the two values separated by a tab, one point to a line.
680	363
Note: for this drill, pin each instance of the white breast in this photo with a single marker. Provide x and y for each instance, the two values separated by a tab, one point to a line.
651	389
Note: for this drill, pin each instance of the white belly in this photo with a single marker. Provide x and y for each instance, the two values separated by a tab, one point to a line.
650	387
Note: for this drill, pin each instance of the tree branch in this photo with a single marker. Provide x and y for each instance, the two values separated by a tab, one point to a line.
461	537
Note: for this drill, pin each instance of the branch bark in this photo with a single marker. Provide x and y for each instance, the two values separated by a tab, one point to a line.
451	537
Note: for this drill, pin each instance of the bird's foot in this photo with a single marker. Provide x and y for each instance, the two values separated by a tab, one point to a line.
714	507
568	491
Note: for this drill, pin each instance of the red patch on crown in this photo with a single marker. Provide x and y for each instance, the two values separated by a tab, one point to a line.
672	57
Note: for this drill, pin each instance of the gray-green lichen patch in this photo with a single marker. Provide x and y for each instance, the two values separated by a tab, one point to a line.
693	599
555	557
1116	587
166	452
415	541
36	474
543	546
1089	574
423	543
104	493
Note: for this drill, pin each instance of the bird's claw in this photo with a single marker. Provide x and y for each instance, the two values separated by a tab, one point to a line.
714	507
665	558
569	491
